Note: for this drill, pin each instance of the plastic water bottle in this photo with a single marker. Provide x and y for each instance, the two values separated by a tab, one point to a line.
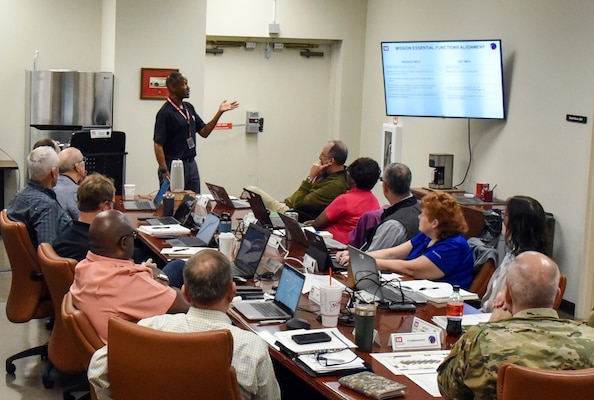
225	224
177	176
454	312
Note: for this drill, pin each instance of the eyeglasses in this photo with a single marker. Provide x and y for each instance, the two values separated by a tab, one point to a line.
132	234
84	160
111	203
327	360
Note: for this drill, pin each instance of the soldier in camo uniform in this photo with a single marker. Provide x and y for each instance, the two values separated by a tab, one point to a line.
533	336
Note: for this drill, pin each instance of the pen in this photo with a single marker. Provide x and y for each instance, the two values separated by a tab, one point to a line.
429	288
160	227
185	248
272	322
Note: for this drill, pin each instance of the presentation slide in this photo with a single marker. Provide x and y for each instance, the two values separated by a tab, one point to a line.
443	79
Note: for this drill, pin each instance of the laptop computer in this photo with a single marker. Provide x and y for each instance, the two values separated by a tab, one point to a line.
318	250
261	212
204	237
285	300
363	275
221	196
293	230
250	252
182	216
133	205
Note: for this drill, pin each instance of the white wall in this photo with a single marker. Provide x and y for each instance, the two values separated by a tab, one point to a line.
67	35
548	60
331	107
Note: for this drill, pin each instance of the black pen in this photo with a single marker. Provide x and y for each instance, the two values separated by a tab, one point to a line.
160	227
429	288
272	322
176	250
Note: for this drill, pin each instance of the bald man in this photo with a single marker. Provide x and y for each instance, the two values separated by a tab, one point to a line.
36	204
108	282
526	331
209	288
72	172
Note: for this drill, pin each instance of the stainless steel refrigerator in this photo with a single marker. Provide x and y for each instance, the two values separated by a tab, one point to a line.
60	102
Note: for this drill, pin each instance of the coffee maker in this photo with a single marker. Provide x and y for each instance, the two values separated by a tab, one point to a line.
441	176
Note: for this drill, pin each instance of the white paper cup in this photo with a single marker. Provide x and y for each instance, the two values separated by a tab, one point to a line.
129	191
226	240
330	301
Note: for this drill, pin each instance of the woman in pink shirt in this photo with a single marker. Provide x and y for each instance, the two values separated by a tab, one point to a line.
341	216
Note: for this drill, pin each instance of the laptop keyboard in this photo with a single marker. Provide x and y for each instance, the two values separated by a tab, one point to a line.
266	309
144	204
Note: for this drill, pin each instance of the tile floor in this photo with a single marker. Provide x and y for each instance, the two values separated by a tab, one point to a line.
26	382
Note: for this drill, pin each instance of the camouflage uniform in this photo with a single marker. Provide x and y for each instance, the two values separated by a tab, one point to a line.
534	338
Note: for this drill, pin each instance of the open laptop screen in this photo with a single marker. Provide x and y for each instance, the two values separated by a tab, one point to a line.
289	288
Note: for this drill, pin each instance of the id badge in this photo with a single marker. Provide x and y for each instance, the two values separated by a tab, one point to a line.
190	143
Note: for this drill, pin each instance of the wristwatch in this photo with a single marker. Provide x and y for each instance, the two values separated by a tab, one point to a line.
163	170
163	278
308	180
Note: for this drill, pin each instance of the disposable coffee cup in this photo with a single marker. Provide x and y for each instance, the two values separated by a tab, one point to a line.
481	188
226	240
330	301
129	191
364	325
293	215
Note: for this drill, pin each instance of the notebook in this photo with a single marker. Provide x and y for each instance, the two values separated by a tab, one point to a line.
221	196
204	237
318	250
364	275
132	205
250	251
285	300
261	213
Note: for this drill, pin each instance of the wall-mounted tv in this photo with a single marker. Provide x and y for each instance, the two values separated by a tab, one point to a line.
449	79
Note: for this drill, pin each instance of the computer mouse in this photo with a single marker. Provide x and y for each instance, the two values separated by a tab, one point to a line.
298	323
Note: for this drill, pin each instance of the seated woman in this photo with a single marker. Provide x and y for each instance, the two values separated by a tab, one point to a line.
524	229
341	216
439	252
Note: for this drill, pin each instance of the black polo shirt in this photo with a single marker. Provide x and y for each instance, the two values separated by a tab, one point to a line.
171	131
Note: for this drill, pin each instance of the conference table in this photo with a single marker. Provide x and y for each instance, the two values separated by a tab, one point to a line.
387	322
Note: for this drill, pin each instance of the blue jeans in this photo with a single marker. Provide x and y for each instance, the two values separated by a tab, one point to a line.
174	270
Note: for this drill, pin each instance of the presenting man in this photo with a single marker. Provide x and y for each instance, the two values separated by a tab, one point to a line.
72	172
209	288
525	331
175	131
324	182
108	282
36	205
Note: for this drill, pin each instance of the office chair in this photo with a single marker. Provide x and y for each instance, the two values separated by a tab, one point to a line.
146	363
29	296
85	340
482	277
515	382
62	349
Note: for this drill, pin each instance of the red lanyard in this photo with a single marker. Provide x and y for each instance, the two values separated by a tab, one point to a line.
186	115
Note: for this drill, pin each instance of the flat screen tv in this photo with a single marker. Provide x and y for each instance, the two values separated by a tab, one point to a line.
449	79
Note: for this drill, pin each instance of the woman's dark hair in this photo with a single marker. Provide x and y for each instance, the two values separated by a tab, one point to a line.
525	228
365	172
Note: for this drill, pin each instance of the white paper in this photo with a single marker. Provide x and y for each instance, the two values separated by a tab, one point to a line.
317	280
339	341
182	252
338	360
435	291
164	230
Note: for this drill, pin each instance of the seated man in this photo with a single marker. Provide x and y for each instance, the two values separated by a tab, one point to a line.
341	216
325	181
36	204
525	331
96	194
399	222
72	172
209	288
108	283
